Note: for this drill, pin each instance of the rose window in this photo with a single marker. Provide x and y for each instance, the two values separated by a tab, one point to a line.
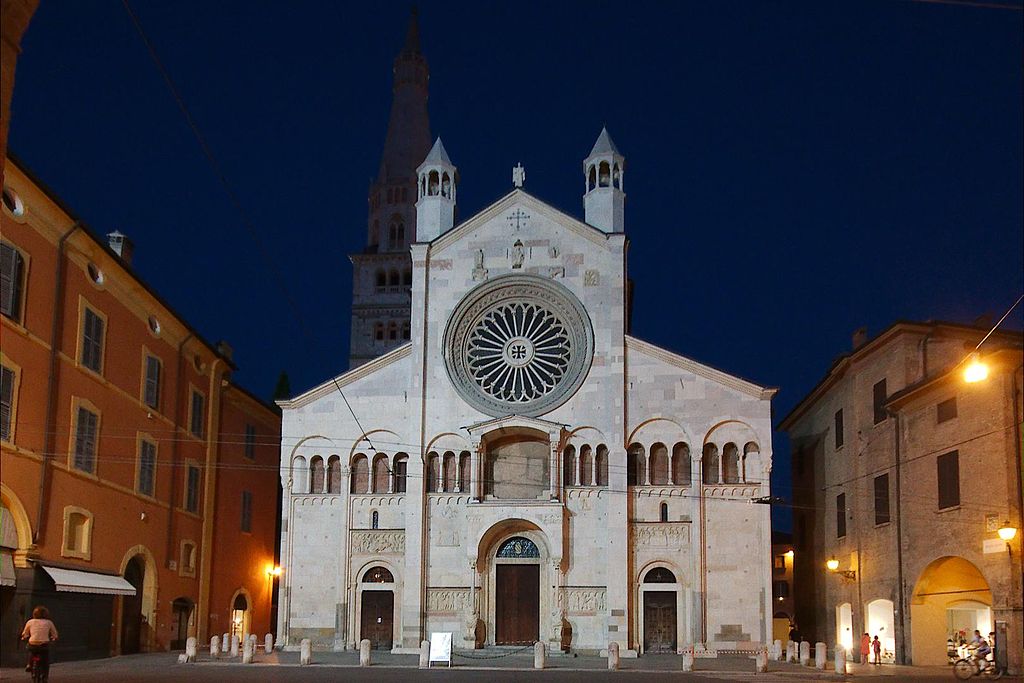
518	345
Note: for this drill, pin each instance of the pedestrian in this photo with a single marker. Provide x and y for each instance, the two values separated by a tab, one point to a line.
876	645
865	648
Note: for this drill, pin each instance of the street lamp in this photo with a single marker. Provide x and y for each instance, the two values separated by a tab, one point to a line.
832	564
273	571
976	370
1007	532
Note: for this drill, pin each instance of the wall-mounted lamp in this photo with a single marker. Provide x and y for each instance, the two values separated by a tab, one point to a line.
976	370
1007	532
273	571
832	564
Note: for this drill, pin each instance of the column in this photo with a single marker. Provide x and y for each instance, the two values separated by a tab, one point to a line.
391	475
458	473
647	469
476	479
553	467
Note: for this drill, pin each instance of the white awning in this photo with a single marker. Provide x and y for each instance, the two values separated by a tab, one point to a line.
6	568
74	581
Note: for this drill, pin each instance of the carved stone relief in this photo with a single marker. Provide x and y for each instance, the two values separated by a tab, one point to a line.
582	600
378	542
661	535
449	601
592	278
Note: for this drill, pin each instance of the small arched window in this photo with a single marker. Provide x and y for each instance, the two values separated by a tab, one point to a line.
569	466
446	186
465	473
601	466
664	512
378	332
433	472
604	175
518	547
586	466
433	184
380	473
374	520
407	278
405	331
592	178
731	464
448	483
399	471
378	575
316	466
636	468
334	474
360	474
681	464
616	177
392	331
382	280
391	196
394	280
709	463
659	464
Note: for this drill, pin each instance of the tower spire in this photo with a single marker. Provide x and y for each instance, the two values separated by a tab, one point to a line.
412	35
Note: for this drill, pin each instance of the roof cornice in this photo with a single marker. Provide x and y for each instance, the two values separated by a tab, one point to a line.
699	369
346	378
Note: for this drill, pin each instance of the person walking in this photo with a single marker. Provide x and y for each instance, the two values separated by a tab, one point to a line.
865	648
876	645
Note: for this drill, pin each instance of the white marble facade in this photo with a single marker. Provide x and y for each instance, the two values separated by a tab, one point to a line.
607	466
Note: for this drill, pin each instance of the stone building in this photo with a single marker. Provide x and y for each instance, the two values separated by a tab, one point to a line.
521	468
902	474
382	273
117	422
783	593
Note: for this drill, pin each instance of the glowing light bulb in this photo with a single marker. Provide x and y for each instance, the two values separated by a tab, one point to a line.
976	371
832	564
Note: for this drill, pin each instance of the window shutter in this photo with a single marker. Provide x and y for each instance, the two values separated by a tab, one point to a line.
840	515
10	281
6	402
948	470
882	499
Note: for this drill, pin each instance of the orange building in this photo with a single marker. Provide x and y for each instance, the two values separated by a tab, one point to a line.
139	484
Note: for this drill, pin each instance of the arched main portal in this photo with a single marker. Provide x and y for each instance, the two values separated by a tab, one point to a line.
951	596
241	615
517	592
660	595
377	607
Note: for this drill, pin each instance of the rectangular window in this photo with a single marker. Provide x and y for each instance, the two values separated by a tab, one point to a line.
400	476
147	467
946	410
882	499
250	442
780	589
841	515
780	564
879	394
192	489
92	340
247	511
948	466
86	428
12	268
839	428
151	391
7	378
198	408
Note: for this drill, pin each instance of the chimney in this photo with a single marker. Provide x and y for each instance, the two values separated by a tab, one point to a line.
121	245
860	336
225	350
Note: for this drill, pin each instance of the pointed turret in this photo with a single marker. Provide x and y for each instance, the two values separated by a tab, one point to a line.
435	206
603	196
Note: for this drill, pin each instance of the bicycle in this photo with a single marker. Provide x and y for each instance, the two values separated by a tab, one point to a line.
968	668
40	671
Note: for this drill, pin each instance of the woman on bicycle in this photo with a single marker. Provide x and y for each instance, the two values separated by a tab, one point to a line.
39	631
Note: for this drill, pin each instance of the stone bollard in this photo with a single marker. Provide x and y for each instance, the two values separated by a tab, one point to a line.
364	652
540	655
234	645
777	651
425	654
805	653
225	644
268	643
840	661
190	649
688	659
305	652
247	650
613	656
791	651
215	647
761	661
820	656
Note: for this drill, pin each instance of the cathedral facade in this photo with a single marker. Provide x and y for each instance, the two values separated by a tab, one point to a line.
521	468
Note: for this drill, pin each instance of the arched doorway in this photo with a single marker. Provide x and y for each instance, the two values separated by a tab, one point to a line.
182	610
240	616
131	607
950	597
880	622
377	608
517	592
660	614
844	626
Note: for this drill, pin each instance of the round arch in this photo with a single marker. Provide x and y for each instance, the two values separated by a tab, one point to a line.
240	623
360	586
679	587
951	594
22	525
148	603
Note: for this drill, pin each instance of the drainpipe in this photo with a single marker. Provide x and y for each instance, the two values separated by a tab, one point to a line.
175	448
49	431
1015	403
901	639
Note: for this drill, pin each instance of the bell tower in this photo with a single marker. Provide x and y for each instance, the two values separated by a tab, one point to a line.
604	199
435	206
382	272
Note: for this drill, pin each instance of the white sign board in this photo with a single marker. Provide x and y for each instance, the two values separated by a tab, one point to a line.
993	545
440	648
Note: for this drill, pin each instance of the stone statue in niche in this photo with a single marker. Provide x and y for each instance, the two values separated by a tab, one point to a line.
479	272
518	254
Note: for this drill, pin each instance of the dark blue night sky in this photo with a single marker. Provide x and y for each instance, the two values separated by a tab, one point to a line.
794	170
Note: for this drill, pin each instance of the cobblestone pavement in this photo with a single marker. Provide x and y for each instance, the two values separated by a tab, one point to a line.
388	668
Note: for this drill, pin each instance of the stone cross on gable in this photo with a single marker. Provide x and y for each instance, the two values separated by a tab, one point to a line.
518	175
518	219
